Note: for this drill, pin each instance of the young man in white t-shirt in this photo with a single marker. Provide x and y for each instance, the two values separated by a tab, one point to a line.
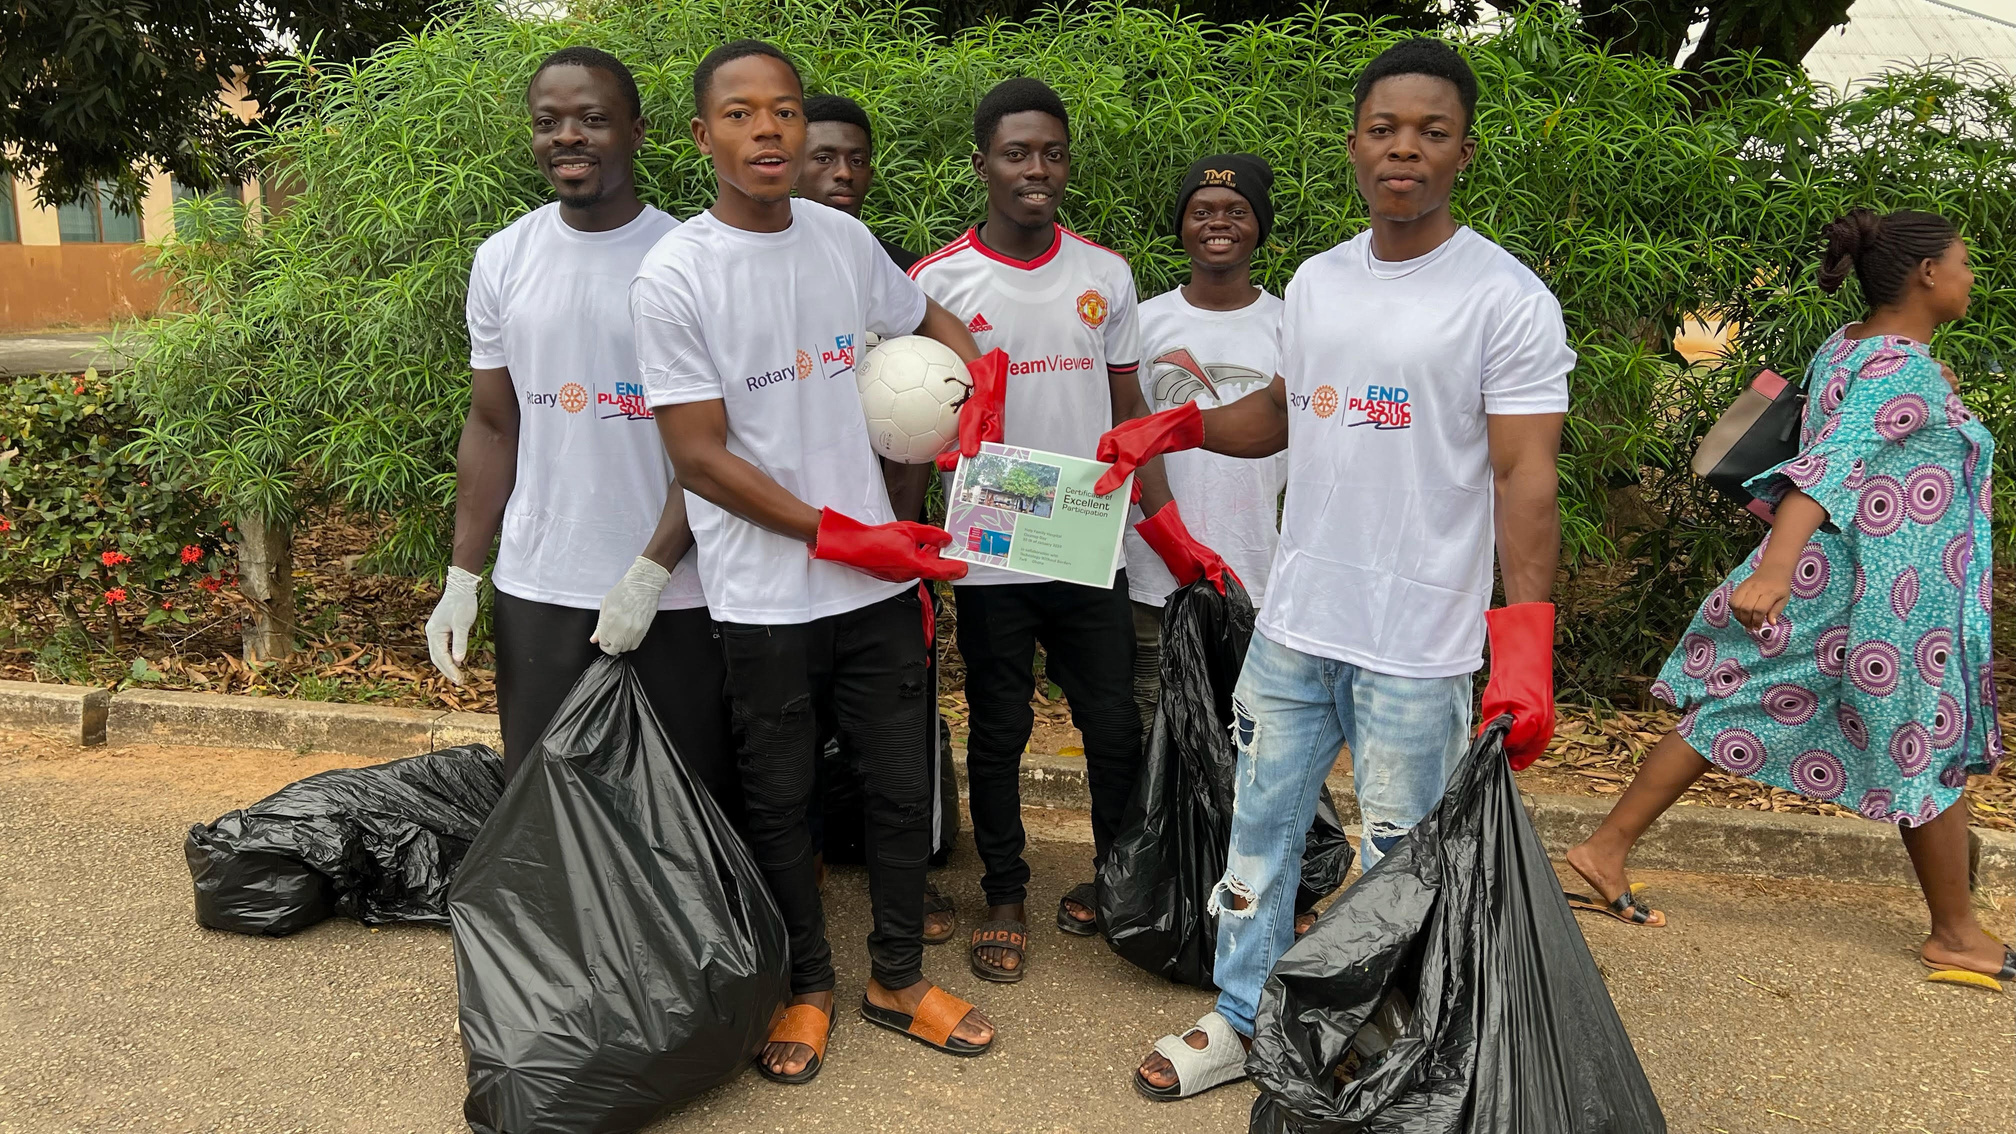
559	450
748	320
1063	309
1211	341
839	172
1422	386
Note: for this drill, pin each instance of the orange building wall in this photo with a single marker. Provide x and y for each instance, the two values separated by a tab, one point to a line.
45	286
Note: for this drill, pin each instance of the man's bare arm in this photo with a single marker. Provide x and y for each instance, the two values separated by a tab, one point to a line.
1254	426
944	326
696	437
486	466
1525	449
672	538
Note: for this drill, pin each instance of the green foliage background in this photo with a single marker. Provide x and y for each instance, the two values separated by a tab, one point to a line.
324	354
70	494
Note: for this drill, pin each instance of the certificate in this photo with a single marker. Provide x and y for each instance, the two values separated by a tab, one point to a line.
1035	512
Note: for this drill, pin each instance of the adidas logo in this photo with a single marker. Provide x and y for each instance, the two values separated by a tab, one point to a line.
978	324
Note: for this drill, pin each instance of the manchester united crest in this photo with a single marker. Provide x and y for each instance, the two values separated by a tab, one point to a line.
1092	309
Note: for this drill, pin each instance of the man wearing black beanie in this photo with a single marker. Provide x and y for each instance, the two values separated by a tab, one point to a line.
1210	341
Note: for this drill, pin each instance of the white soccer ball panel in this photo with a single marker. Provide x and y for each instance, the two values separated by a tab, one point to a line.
909	388
878	401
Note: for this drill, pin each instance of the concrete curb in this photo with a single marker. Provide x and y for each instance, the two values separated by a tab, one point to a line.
1704	839
74	712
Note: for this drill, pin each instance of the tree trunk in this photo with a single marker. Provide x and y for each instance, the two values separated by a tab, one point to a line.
266	577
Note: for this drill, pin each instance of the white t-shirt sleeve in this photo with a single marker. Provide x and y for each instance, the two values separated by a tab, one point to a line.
1123	328
1527	358
895	303
673	363
484	313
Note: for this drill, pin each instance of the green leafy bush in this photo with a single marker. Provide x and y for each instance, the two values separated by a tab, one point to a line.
324	353
83	521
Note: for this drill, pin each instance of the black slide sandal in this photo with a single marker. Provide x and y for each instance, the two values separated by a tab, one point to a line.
1628	907
1003	934
932	1025
935	903
1085	894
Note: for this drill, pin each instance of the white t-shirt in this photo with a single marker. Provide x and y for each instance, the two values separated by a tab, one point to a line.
1386	534
768	323
1065	319
549	302
1212	358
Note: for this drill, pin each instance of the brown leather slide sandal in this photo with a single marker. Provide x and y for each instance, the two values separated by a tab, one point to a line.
932	1025
801	1023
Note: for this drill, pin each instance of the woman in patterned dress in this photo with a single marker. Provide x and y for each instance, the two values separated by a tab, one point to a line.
1849	658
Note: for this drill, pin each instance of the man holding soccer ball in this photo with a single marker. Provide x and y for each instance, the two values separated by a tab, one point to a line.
1063	309
748	317
839	171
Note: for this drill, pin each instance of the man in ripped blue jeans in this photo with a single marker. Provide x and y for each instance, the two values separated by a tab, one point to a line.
1421	391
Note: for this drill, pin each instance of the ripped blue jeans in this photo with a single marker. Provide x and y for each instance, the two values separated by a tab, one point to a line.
1292	711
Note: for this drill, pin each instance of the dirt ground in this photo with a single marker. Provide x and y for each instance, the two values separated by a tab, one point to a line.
1766	1007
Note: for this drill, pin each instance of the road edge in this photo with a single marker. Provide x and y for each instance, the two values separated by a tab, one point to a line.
1711	840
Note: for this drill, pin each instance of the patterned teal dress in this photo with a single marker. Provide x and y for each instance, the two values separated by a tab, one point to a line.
1875	689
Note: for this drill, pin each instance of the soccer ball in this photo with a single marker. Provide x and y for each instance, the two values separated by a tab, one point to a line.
910	391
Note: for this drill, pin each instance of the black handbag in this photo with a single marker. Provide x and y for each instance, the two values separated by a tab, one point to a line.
1759	430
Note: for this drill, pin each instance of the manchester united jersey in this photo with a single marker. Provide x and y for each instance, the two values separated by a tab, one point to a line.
1065	319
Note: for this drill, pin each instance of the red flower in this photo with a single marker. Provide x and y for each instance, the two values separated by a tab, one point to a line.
210	583
79	389
191	553
115	595
114	558
4	525
166	605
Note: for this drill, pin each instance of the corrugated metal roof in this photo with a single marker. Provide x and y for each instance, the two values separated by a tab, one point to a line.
1880	34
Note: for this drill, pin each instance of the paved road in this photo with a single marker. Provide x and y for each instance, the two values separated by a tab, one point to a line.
1766	1008
53	350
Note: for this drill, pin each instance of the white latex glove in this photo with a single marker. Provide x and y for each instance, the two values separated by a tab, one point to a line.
448	627
629	607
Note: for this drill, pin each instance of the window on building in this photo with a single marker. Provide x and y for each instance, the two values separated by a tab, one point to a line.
10	230
228	195
97	221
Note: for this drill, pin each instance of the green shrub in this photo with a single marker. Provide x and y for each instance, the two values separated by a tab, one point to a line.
325	353
85	522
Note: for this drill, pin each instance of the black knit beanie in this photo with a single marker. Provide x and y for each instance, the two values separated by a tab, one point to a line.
1249	176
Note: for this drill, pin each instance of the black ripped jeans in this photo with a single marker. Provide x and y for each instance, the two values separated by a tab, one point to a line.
861	673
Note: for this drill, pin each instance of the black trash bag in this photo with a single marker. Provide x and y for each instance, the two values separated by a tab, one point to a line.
1501	1023
1171	849
616	951
380	844
1326	855
841	830
842	802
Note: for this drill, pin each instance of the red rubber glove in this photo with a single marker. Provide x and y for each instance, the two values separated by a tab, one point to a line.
1131	444
980	413
899	551
1522	677
1187	559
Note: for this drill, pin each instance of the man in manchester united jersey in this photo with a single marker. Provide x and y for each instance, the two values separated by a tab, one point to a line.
1063	309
